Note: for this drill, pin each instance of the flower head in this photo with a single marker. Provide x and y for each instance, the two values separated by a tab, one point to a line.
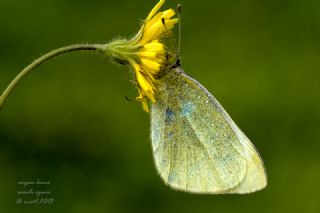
145	52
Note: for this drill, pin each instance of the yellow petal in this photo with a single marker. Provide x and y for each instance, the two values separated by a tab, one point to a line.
154	45
150	65
171	22
148	54
153	32
155	10
167	14
143	101
146	85
143	83
145	106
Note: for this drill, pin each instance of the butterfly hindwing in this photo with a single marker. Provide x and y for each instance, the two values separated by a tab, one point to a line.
196	145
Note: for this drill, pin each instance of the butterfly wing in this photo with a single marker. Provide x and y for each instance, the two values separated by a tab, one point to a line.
196	145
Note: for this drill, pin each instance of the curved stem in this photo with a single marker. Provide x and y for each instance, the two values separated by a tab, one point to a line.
42	59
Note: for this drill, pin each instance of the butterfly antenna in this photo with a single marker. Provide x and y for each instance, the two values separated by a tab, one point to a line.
179	41
178	60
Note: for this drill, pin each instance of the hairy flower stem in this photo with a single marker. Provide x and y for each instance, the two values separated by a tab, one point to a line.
42	59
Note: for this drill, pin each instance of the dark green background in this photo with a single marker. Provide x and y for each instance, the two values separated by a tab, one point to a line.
69	122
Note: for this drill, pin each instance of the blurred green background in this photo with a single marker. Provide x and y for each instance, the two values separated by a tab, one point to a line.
69	122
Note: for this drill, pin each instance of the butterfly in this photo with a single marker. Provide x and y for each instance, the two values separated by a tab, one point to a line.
196	145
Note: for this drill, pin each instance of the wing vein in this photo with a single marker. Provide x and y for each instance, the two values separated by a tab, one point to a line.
206	153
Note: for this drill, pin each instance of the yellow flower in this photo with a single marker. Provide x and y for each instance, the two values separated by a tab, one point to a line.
145	52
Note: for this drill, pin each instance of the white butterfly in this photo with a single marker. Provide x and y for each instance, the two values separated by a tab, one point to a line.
196	145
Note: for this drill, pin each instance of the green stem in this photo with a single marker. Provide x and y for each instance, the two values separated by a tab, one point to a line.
42	59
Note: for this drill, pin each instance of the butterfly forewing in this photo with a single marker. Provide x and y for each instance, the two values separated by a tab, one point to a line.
196	145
